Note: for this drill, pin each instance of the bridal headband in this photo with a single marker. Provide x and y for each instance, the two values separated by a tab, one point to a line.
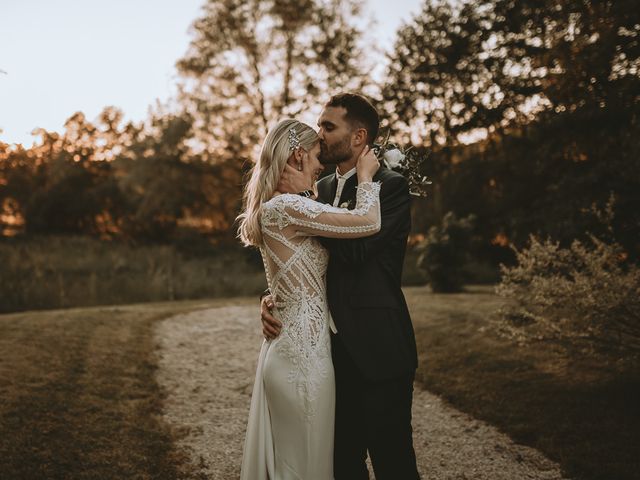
294	139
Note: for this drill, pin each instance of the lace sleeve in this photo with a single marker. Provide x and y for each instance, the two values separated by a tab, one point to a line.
314	218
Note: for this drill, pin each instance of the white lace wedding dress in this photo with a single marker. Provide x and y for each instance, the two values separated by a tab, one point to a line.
291	420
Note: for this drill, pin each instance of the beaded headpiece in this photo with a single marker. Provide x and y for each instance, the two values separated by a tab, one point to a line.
294	139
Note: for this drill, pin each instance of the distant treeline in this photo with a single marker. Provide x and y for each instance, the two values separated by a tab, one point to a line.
547	92
133	183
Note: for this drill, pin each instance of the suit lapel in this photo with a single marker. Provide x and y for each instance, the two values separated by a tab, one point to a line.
328	185
327	189
349	192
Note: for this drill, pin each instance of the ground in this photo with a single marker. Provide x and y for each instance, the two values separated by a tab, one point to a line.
207	361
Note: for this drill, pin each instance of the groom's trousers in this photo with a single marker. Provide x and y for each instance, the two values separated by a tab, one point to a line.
373	416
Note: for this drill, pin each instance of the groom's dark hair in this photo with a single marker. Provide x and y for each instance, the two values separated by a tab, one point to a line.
360	112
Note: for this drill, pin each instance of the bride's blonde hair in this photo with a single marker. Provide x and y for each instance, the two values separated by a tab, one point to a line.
265	174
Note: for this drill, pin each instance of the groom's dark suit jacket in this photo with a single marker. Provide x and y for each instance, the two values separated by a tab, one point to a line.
363	282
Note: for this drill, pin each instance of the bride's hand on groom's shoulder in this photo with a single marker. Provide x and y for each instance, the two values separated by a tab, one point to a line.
367	165
270	325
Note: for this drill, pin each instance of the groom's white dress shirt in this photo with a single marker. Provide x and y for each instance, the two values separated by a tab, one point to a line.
342	179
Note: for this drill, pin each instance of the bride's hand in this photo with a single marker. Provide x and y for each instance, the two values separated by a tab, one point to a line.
367	165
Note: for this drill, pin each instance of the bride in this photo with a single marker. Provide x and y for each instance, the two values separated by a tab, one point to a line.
291	419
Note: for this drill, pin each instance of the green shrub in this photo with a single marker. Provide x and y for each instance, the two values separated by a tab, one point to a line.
585	297
445	252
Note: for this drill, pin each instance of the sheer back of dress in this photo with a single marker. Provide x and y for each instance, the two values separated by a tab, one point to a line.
295	262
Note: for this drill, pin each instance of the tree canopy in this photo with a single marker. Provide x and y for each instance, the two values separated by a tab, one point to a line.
252	62
529	110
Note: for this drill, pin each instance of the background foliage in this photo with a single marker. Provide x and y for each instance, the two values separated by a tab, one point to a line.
530	110
530	113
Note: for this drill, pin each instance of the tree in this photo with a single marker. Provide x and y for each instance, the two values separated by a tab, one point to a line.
562	131
462	66
57	186
169	191
587	51
450	77
254	61
588	54
102	178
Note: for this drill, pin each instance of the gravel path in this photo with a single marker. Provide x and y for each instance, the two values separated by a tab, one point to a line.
207	366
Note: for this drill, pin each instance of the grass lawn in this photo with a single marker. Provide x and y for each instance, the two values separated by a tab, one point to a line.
583	414
78	398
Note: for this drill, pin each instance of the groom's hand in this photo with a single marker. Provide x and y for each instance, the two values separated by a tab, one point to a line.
292	180
270	325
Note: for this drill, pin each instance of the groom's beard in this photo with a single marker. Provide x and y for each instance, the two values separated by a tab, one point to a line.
338	153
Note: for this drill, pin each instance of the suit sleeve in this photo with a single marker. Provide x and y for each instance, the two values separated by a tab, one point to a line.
395	209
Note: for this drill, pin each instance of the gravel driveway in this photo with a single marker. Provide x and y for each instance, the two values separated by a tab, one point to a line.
207	363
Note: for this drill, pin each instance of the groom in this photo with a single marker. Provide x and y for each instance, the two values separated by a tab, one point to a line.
374	349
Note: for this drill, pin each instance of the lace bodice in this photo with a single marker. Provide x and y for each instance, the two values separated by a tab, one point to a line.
296	263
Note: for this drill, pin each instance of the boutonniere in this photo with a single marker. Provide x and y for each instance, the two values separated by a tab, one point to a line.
349	204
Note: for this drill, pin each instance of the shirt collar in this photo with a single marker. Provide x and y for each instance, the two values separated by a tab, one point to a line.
345	176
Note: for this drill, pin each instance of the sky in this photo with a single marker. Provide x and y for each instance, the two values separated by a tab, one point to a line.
63	56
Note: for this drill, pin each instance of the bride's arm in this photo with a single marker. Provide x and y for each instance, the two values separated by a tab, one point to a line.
309	217
395	207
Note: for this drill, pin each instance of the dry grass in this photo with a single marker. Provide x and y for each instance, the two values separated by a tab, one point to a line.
57	271
582	413
79	397
64	271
